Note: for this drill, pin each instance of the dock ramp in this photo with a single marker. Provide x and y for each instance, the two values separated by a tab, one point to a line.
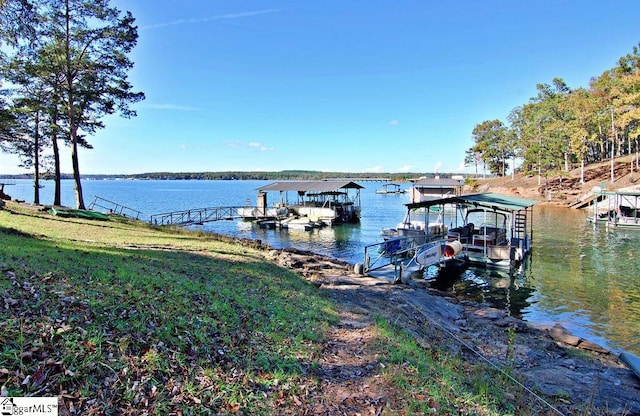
113	208
586	201
196	216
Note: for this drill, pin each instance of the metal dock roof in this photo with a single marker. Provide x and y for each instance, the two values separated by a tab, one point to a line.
437	183
308	186
490	200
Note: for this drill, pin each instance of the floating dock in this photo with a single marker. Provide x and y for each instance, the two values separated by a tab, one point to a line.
329	202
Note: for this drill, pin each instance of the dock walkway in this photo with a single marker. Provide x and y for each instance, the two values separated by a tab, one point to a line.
196	216
585	201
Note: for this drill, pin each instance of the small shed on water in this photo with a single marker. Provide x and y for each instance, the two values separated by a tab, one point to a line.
425	189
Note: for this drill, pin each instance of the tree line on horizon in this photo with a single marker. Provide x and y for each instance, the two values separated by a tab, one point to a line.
256	175
293	174
562	127
63	68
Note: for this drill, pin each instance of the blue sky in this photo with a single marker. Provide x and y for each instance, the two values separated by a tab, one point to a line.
342	85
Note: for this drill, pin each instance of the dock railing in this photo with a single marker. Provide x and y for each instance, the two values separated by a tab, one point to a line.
114	208
195	216
392	253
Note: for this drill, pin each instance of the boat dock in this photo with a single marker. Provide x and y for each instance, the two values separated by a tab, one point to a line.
2	185
618	209
317	203
502	238
391	188
328	202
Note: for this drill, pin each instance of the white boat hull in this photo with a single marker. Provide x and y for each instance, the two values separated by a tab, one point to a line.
252	213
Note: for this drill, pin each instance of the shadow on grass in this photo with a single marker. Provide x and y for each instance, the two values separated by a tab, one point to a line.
15	232
140	328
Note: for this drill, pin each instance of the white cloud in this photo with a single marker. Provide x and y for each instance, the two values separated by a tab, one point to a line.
261	147
251	145
437	167
405	168
209	19
394	122
374	169
461	168
233	143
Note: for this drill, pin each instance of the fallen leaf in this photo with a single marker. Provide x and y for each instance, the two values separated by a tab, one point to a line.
64	328
39	376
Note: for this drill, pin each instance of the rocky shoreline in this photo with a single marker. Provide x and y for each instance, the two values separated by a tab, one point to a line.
548	361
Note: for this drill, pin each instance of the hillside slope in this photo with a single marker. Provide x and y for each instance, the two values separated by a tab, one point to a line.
566	189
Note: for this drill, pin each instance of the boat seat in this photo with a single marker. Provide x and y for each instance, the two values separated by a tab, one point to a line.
464	233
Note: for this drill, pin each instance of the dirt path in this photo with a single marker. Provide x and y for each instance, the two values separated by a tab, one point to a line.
542	359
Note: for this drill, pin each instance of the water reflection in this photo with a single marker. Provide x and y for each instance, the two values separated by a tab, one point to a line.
589	280
340	241
499	289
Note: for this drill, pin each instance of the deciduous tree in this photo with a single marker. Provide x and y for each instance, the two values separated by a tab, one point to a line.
492	145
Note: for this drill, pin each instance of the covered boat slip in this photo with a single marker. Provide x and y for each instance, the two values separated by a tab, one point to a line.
391	188
494	230
618	209
485	230
329	202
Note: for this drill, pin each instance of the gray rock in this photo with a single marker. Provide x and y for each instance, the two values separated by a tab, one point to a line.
560	334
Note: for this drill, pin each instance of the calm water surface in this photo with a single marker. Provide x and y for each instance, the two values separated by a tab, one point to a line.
587	280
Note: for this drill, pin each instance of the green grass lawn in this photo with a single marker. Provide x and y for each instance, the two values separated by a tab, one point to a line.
118	317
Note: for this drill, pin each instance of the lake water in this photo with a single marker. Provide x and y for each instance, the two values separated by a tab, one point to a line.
587	280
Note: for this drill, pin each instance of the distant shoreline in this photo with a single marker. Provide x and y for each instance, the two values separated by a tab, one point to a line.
257	175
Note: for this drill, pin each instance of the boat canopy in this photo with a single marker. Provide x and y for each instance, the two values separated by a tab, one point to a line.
623	192
437	183
629	197
487	200
307	186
